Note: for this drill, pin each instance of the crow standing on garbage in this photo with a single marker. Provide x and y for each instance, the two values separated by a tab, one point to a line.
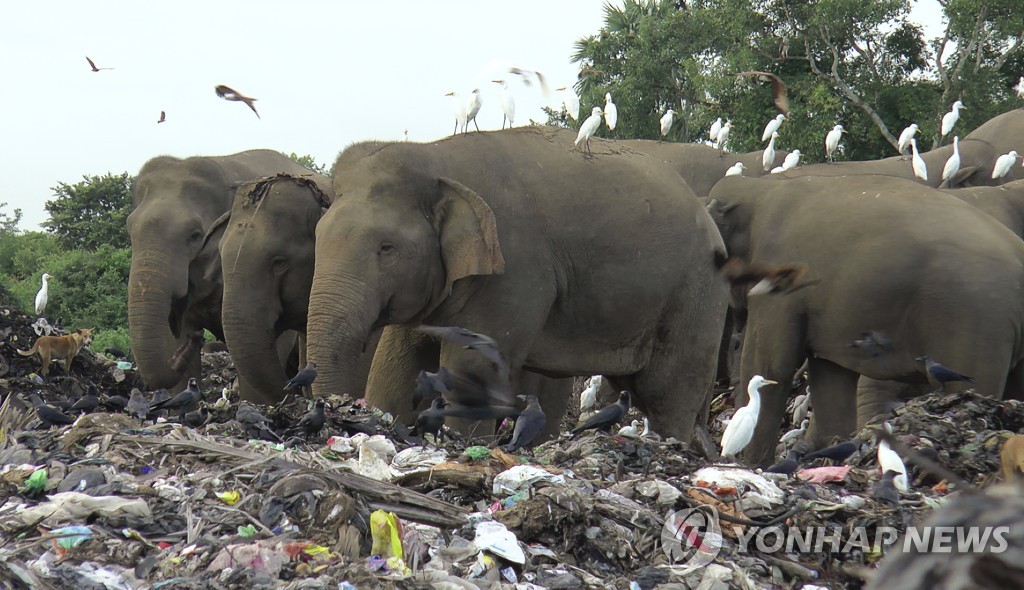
788	465
196	418
885	490
430	420
49	415
838	452
312	422
137	405
942	373
253	420
303	378
529	425
86	403
607	416
181	402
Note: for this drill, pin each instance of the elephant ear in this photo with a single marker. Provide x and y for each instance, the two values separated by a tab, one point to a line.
207	262
962	175
468	233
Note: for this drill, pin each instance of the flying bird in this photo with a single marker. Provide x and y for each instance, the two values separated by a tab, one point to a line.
229	94
832	140
163	117
303	378
740	429
48	414
905	138
889	460
666	122
715	128
529	425
838	452
779	95
611	112
607	416
950	118
942	373
736	169
723	136
473	108
768	157
1004	163
43	295
873	342
312	422
570	102
182	401
920	168
459	110
589	396
788	465
431	385
953	163
527	75
772	127
885	491
764	278
93	65
588	129
796	432
791	160
589	72
508	103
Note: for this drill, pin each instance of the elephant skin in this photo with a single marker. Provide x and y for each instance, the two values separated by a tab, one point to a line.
1005	203
935	275
701	166
1003	132
574	265
174	286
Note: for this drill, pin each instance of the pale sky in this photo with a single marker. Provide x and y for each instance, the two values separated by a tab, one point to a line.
325	73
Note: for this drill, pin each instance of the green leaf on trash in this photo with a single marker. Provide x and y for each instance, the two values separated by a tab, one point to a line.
37	481
477	452
246	531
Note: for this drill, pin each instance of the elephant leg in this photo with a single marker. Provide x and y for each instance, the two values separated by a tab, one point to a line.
553	395
877	398
1015	383
834	398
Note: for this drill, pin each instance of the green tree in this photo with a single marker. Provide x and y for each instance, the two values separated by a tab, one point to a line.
91	213
310	163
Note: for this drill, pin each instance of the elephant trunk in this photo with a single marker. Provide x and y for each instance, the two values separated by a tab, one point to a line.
342	315
149	308
251	337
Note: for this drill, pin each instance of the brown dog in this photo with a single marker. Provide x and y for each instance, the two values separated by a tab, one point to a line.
59	347
1012	458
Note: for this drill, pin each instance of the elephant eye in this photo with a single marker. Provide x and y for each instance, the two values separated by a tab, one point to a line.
279	265
196	236
387	248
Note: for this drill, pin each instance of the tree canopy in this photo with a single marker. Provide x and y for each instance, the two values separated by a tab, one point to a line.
91	213
860	63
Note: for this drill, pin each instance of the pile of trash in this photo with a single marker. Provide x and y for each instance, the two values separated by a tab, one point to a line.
112	502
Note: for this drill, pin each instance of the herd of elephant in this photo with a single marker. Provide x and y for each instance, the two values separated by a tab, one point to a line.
577	266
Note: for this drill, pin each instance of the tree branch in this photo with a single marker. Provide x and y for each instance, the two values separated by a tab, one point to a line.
1006	54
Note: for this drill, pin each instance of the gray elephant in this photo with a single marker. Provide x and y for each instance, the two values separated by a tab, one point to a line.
1003	132
701	166
1005	203
936	276
575	266
174	289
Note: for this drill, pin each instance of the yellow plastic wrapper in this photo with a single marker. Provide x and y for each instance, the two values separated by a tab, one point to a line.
386	533
230	498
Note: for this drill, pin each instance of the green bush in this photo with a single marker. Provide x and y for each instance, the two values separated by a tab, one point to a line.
117	338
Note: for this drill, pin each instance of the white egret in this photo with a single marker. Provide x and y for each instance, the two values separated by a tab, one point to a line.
791	160
723	136
589	128
796	432
905	137
611	112
1004	163
715	128
43	295
508	103
631	431
800	405
768	158
741	428
772	127
950	118
647	428
832	140
735	170
475	102
953	163
1019	88
666	122
920	168
889	460
589	396
459	110
778	170
571	102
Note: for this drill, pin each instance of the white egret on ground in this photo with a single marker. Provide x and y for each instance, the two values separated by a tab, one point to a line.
791	160
905	137
570	101
589	128
631	431
43	295
735	170
768	157
796	432
1004	163
801	404
741	428
832	140
647	428
508	102
920	168
953	163
459	109
589	396
611	112
772	127
715	128
889	460
472	108
1019	88
723	136
666	122
950	118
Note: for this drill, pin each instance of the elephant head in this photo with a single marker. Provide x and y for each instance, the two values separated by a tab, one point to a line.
267	259
388	252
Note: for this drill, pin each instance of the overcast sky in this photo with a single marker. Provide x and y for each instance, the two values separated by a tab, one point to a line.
325	74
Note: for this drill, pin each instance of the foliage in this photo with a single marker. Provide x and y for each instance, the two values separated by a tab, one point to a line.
310	163
117	338
91	213
861	63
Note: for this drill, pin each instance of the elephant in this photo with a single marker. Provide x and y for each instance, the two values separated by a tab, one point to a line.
701	166
1003	132
485	232
1005	203
936	276
174	284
